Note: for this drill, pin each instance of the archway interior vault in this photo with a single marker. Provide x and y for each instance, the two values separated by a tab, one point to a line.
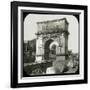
50	50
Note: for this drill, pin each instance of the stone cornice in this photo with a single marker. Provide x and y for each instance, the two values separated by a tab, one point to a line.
56	20
52	32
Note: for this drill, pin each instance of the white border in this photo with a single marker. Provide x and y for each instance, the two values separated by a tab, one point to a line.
51	78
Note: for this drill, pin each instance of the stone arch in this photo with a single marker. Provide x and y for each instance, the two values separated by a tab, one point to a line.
52	37
53	43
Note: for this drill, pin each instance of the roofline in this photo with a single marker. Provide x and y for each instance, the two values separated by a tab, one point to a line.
53	21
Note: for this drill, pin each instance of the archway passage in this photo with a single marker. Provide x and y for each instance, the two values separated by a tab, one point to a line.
49	53
53	49
47	49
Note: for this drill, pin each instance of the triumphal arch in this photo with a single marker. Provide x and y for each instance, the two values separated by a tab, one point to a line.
52	40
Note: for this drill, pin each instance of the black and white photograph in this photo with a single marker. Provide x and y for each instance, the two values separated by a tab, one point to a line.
49	44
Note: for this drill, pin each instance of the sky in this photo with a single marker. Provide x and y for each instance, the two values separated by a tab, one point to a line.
30	28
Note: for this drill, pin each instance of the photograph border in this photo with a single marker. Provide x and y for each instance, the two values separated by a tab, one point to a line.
14	43
47	13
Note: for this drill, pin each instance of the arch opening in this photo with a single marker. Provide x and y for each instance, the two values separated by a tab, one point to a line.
50	50
47	49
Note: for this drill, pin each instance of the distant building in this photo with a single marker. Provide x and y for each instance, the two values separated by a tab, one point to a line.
29	51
